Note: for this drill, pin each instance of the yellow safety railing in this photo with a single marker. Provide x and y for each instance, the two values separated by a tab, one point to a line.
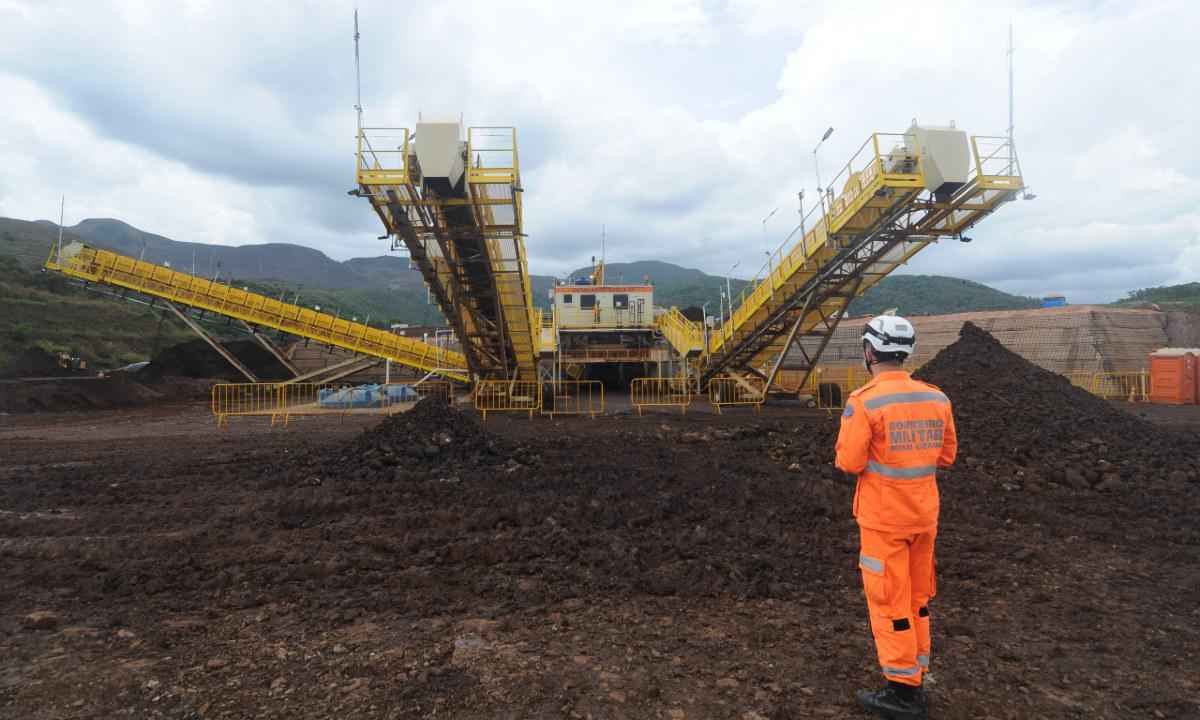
788	381
94	265
832	386
727	391
508	396
383	156
685	336
439	389
660	392
1131	386
573	397
280	401
234	399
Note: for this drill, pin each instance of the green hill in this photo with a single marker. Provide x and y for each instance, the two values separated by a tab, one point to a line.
1172	297
47	311
935	295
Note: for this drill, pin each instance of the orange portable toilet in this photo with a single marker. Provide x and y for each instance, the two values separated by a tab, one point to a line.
1174	376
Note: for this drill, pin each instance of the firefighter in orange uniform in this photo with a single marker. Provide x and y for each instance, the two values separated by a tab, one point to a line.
895	434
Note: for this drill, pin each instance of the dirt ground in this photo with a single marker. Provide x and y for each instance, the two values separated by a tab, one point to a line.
622	567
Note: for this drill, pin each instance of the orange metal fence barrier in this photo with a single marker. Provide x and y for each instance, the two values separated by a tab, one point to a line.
831	387
280	401
727	391
660	392
508	396
245	399
1131	386
573	397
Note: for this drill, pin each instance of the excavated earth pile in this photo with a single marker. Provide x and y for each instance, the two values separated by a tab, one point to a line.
1026	427
74	394
656	567
197	359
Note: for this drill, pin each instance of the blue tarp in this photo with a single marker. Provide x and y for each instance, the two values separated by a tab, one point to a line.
367	396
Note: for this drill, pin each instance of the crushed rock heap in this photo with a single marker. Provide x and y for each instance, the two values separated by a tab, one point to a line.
1025	427
431	439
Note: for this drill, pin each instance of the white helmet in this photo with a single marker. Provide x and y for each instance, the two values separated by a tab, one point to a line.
891	334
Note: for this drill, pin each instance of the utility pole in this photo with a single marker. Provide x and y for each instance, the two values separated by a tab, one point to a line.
803	232
357	75
1011	126
817	167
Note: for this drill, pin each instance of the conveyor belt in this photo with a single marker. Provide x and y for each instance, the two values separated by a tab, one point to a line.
883	213
461	223
110	268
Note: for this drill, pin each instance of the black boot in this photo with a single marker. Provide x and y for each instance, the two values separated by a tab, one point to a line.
889	704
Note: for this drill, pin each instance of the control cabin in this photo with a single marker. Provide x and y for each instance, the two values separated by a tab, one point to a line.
604	307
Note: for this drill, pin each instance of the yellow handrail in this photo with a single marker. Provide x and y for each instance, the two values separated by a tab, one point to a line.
105	266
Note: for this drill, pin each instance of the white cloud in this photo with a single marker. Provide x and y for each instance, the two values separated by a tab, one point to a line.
679	124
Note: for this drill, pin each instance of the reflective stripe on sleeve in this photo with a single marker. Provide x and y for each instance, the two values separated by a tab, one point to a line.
902	473
923	661
875	565
902	672
899	398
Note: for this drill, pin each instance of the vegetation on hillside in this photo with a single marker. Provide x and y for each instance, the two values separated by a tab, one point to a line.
378	306
47	311
1182	297
935	295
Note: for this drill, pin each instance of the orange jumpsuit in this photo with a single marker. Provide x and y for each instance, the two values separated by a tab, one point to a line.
895	433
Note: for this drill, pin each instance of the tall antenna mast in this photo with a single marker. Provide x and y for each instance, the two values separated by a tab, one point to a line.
357	74
1010	86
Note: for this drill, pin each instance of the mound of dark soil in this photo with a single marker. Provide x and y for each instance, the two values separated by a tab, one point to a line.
197	359
1025	426
34	362
67	394
430	439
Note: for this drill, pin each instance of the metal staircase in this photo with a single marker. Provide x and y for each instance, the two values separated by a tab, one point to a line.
892	203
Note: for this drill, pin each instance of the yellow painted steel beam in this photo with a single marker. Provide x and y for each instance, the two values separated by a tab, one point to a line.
868	191
422	220
110	268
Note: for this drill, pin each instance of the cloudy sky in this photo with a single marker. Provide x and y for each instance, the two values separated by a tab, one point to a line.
678	124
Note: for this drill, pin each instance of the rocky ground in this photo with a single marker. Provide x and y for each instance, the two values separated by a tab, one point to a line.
425	565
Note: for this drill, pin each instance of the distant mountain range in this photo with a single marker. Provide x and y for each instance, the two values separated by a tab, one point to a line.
386	290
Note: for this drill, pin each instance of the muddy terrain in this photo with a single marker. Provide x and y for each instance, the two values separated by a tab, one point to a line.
428	565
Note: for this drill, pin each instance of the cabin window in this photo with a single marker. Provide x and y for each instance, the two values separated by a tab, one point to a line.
567	299
621	302
587	302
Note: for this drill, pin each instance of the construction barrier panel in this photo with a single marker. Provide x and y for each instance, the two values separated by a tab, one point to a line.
831	387
788	381
727	391
660	392
234	399
441	389
508	396
573	397
280	401
1130	386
